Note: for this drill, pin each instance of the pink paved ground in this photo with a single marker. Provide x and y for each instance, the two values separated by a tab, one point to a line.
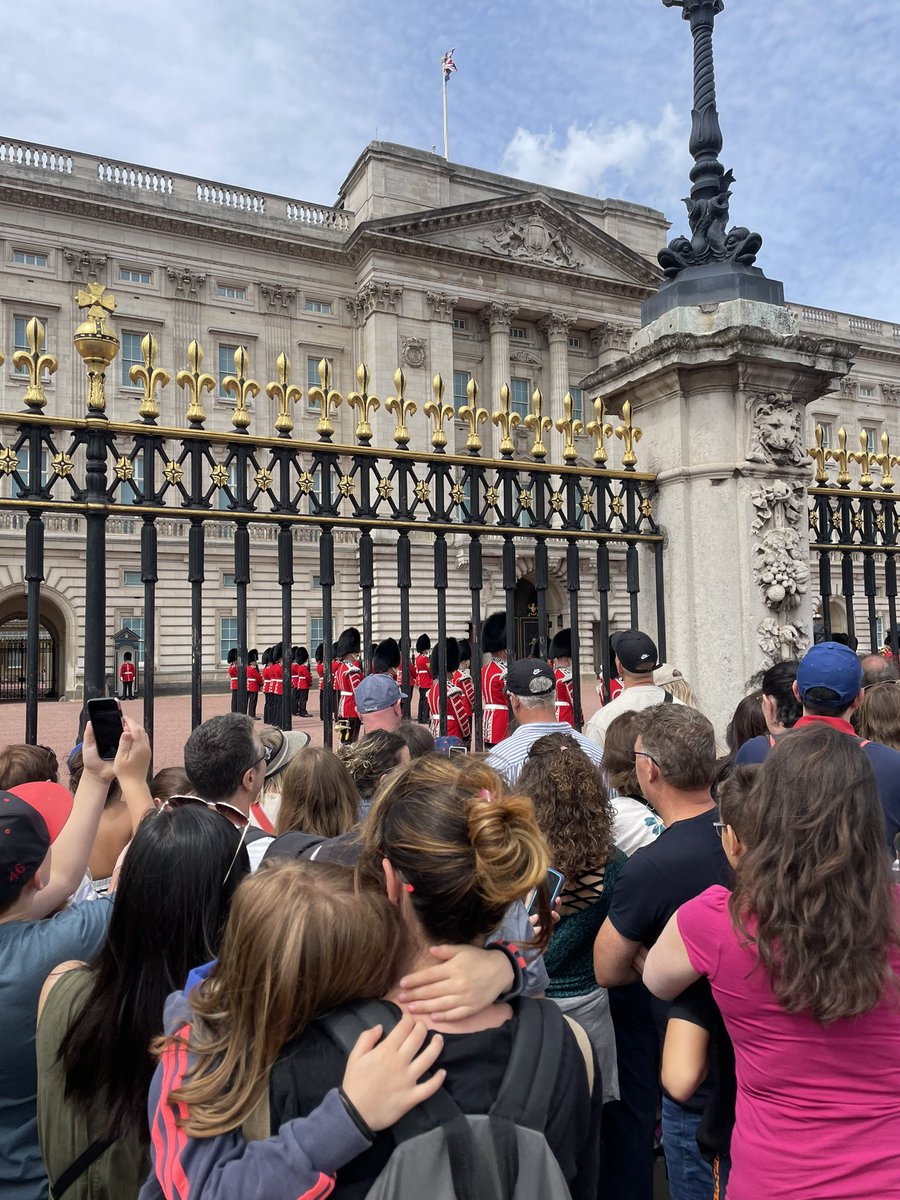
58	722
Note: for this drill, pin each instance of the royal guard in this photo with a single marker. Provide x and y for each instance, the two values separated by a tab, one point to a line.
301	680
277	688
347	678
561	660
386	659
127	673
254	682
458	720
886	650
493	680
320	671
462	678
422	674
266	673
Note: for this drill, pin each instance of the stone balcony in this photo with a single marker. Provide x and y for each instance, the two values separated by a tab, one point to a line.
122	182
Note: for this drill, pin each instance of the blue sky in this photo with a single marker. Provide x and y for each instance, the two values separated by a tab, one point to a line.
281	97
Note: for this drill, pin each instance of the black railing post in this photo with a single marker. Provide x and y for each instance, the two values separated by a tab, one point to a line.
573	583
440	584
286	582
660	600
603	586
326	579
366	584
97	440
241	582
475	585
404	583
34	577
195	578
149	578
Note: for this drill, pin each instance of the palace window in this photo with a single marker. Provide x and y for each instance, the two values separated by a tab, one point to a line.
228	637
227	292
319	306
460	383
826	433
28	259
316	633
312	376
128	275
133	489
872	434
224	500
226	364
574	342
134	622
520	395
20	341
131	356
518	332
866	391
24	469
577	403
132	579
460	324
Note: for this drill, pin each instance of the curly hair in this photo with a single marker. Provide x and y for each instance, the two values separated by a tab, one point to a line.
371	758
813	890
571	804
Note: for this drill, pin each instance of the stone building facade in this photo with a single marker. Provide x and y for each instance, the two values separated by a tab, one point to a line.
420	263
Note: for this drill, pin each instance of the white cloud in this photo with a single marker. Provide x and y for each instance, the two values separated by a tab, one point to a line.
605	157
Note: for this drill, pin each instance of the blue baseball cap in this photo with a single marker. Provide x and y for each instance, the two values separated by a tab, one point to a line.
377	692
833	666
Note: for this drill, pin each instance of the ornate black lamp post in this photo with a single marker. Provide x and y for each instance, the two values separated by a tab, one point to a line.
715	263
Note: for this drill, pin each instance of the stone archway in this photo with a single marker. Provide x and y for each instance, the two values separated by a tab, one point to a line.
525	607
55	670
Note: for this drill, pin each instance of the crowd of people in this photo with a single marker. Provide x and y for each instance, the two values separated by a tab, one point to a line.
401	968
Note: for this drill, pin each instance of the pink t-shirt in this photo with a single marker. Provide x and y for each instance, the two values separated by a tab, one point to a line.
818	1107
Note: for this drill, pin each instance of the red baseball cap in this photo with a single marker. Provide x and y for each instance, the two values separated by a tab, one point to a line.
32	815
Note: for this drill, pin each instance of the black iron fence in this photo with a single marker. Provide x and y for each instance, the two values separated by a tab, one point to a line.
147	472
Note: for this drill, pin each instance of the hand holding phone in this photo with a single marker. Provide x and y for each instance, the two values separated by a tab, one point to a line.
556	881
105	717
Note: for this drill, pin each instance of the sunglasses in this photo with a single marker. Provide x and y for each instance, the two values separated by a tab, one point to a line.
228	811
644	754
720	827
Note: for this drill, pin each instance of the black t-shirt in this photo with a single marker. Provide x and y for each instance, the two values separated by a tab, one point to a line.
311	1065
697	1005
684	861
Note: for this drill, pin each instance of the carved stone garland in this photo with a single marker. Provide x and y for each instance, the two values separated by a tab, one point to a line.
780	566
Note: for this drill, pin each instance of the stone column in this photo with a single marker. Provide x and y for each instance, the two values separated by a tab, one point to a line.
720	391
555	327
609	342
375	309
497	317
440	336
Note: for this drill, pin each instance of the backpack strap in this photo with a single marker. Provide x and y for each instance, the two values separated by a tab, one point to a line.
76	1169
534	1057
293	845
584	1045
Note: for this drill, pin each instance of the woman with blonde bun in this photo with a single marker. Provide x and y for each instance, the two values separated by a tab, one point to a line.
453	851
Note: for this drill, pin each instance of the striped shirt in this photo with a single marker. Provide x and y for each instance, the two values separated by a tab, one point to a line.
508	757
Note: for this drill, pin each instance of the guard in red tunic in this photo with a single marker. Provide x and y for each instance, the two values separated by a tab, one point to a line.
423	678
348	678
561	660
127	673
462	678
254	682
386	659
277	682
301	680
493	680
455	703
320	672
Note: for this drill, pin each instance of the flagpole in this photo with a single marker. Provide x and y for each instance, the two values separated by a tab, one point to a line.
444	86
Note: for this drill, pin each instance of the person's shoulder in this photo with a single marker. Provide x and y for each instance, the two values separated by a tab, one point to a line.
879	752
591	749
754	750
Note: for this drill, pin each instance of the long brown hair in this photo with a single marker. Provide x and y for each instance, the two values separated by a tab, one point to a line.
467	849
301	939
618	753
570	803
878	717
318	795
813	889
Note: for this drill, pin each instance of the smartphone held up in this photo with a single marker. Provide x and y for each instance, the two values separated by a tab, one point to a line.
105	716
553	886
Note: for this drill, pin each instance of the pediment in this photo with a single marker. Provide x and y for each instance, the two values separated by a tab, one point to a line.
530	232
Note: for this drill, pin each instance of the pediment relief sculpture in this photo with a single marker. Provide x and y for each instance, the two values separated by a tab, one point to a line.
531	239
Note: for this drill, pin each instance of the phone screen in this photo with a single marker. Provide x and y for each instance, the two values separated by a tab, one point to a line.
555	883
105	717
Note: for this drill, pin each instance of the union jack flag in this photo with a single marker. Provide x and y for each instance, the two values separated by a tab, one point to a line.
448	64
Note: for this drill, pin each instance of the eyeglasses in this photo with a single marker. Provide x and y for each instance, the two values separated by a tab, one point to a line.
720	827
644	754
228	811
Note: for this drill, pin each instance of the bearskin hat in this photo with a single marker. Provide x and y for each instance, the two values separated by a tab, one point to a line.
423	643
320	653
232	655
452	655
302	655
493	633
465	648
386	656
349	642
561	646
252	656
278	652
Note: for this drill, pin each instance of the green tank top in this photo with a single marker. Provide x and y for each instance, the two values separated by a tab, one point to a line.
64	1131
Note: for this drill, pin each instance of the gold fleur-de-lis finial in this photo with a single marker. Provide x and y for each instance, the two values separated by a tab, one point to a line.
400	408
195	381
325	399
96	342
150	377
473	416
439	413
630	435
242	388
36	363
506	422
819	454
842	457
886	460
864	458
599	429
537	424
570	428
286	393
364	404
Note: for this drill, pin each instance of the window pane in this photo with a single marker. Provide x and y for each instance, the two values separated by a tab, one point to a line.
20	340
133	489
228	636
577	403
460	383
520	394
132	579
226	363
316	633
518	332
28	259
460	323
135	623
231	293
318	306
312	376
130	276
131	356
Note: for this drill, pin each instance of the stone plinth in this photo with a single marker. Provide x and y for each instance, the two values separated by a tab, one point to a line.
720	391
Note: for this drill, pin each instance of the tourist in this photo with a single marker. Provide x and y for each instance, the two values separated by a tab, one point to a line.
225	761
876	668
803	958
318	795
675	755
878	716
531	689
829	686
635	823
781	708
574	814
749	721
453	852
636	660
370	759
301	940
38	931
379	702
96	1022
417	737
169	781
27	764
281	747
674	684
